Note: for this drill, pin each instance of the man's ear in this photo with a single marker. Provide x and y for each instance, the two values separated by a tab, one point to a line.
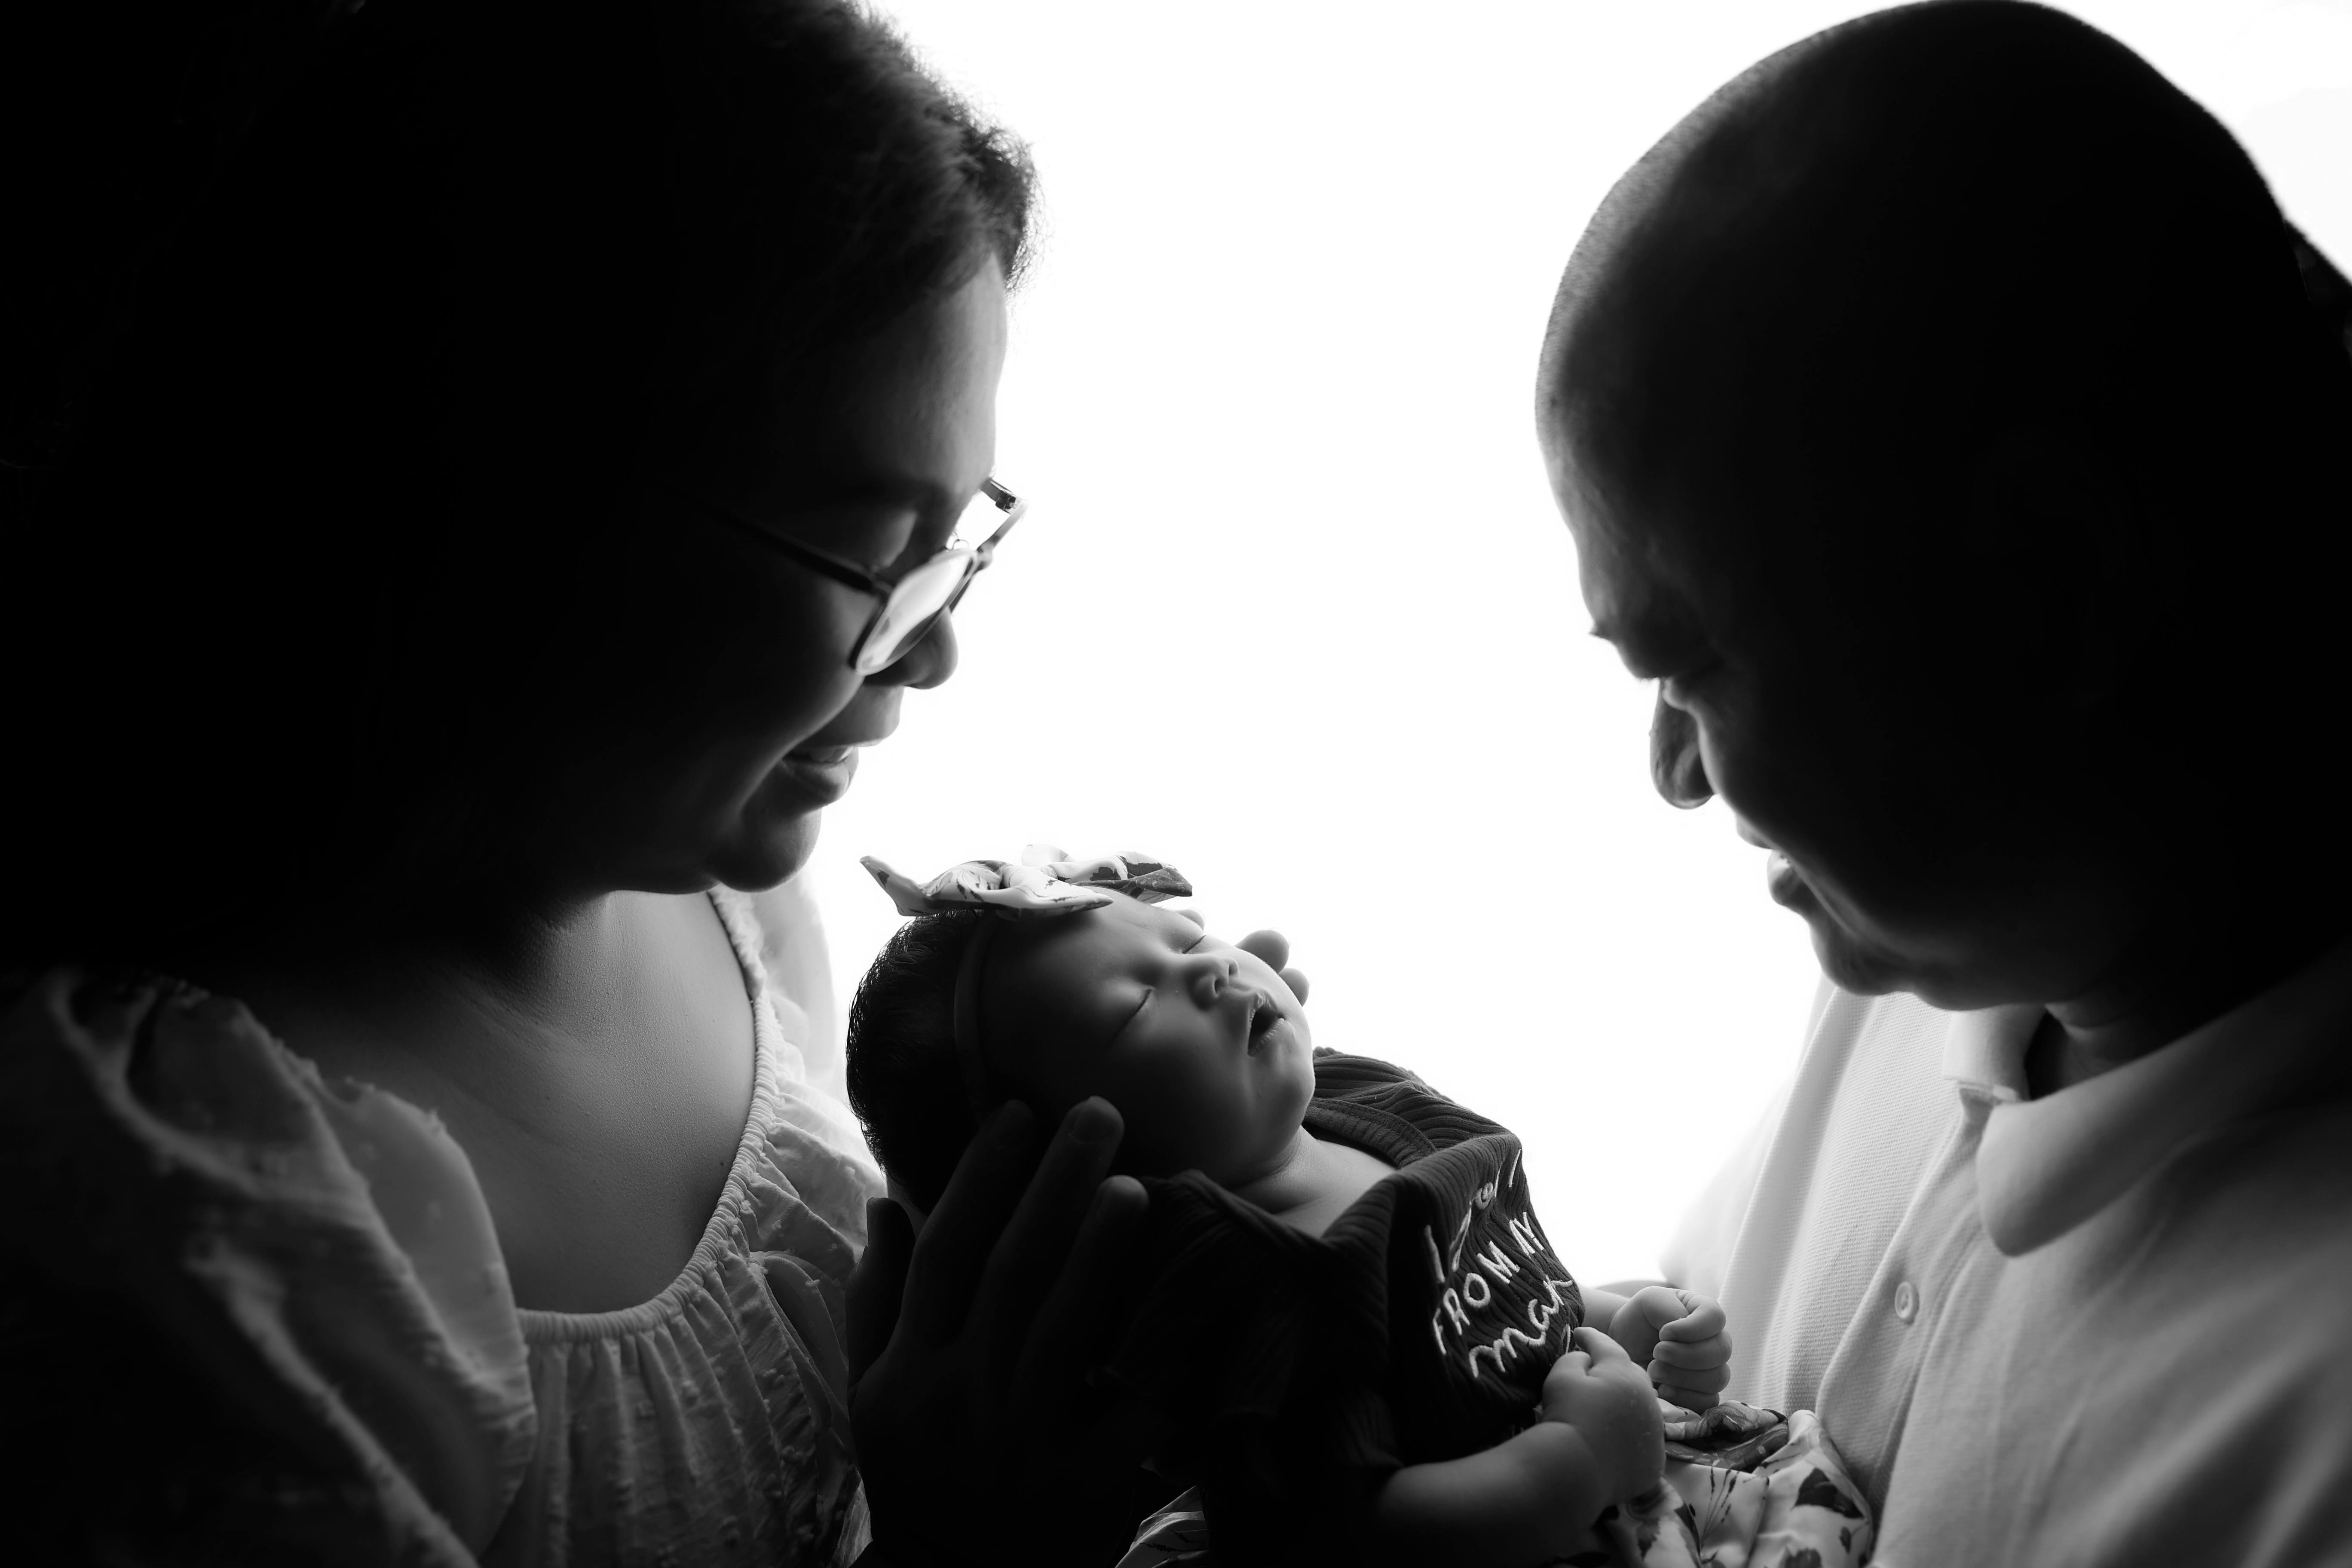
2069	559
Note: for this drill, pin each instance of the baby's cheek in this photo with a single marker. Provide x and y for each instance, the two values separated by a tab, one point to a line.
1293	1087
1167	1128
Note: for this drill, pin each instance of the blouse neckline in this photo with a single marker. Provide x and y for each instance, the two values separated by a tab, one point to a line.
540	1326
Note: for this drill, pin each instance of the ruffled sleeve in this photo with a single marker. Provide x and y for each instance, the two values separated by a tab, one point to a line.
304	1272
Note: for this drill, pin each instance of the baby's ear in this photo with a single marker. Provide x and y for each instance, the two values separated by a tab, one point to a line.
1195	917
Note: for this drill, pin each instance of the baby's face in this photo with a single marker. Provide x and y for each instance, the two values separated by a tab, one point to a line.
1204	1050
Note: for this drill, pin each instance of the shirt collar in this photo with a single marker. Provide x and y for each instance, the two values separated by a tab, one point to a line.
1984	1052
2044	1167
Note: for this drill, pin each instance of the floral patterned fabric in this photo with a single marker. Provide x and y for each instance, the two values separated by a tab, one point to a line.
1743	1489
1047	882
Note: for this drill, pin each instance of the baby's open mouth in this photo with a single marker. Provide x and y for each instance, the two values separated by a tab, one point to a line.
1264	1015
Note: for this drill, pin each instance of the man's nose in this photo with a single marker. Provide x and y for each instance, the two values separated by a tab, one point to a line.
1675	766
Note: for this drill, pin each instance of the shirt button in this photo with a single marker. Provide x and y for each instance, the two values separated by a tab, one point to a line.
1907	1301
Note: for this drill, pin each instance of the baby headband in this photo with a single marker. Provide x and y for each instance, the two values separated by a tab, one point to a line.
1046	883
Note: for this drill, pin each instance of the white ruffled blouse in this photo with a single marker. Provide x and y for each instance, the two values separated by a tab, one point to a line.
322	1253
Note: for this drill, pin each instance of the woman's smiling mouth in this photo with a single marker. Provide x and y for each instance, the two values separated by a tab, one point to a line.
823	772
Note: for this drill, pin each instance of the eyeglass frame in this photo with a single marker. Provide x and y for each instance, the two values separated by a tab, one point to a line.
827	565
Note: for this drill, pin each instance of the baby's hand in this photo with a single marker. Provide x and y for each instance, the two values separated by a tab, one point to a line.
1596	1389
1681	1334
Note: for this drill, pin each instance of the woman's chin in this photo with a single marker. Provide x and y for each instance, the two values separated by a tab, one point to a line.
761	855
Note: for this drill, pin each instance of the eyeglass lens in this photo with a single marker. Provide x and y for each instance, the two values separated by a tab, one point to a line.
915	602
917	599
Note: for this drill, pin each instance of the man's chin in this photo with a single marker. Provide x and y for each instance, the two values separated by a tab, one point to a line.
1872	969
1854	964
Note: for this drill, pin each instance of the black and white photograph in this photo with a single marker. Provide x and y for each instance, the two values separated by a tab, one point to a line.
693	683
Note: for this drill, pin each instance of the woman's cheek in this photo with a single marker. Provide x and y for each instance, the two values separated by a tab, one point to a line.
772	692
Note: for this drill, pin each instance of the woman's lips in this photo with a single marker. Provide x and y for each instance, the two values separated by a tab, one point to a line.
821	771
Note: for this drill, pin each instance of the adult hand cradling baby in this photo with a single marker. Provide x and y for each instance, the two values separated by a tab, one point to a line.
968	1349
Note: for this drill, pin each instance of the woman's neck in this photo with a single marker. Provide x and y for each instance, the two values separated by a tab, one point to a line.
596	1070
455	936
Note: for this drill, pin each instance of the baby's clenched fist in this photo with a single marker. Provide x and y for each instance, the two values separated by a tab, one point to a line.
1682	1337
1596	1389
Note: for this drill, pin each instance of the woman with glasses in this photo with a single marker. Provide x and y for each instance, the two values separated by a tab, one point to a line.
483	474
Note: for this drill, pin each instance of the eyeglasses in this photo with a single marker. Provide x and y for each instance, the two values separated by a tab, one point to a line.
913	605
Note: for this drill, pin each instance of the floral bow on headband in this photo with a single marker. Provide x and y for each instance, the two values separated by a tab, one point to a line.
1047	882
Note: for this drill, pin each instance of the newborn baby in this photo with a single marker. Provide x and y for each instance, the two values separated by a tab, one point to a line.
1347	1311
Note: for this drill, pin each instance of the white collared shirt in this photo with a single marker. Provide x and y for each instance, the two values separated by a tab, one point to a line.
2113	1325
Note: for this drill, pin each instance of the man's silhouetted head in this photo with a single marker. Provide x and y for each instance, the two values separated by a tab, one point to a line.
1939	412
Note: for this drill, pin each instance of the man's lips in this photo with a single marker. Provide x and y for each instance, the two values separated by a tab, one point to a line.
1782	881
1787	884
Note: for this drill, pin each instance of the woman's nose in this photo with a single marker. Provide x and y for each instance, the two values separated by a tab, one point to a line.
926	664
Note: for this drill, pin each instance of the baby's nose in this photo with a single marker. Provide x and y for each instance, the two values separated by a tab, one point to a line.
1215	974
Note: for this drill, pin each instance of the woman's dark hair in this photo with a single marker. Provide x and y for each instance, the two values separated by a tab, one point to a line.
903	1078
442	291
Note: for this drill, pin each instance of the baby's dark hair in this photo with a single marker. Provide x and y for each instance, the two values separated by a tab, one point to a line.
903	1078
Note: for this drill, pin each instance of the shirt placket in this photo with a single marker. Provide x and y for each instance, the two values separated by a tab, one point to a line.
1865	1392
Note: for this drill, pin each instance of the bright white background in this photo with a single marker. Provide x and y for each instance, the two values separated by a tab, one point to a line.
1294	610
